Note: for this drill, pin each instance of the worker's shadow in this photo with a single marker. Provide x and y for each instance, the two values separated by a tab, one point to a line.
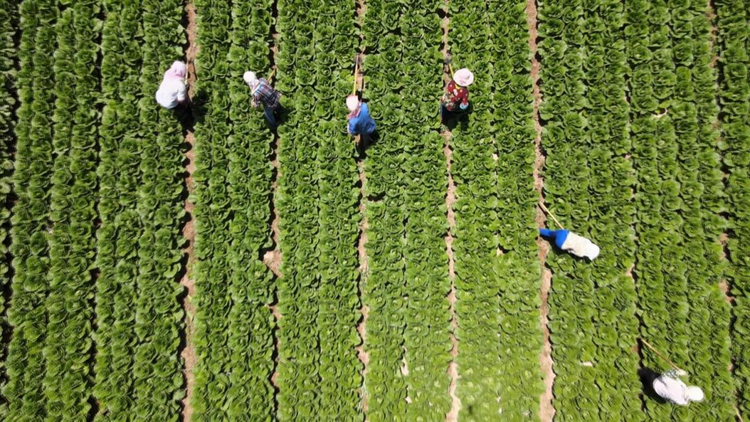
648	376
459	118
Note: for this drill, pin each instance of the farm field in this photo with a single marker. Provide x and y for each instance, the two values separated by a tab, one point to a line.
194	265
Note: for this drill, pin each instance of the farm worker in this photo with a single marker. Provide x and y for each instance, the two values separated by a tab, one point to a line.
172	91
264	93
456	95
360	121
572	243
671	388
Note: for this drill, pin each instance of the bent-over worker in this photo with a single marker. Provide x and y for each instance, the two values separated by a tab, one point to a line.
172	91
572	243
265	94
671	388
456	95
360	121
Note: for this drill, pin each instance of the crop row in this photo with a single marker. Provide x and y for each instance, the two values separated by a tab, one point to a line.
319	373
407	284
588	183
138	242
497	269
32	179
234	327
735	100
679	265
9	53
702	202
69	302
660	270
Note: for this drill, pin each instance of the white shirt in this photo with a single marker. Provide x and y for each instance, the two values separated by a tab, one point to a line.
671	389
171	92
580	246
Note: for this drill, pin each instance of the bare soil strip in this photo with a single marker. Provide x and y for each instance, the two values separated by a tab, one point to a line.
273	258
362	354
547	411
450	199
188	231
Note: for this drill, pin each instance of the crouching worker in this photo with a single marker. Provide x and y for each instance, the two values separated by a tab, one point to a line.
264	93
671	388
173	91
572	243
360	121
456	96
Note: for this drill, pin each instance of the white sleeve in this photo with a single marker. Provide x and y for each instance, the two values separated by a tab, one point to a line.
182	92
671	389
580	246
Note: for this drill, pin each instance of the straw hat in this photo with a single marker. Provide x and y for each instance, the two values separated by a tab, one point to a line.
463	77
352	102
250	79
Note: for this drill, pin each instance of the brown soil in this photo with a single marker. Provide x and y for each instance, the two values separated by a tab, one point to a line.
450	199
188	231
547	410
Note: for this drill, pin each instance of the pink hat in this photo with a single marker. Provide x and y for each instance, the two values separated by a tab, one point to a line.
352	102
463	77
178	71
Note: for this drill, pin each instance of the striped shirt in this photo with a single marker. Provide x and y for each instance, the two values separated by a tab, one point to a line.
265	94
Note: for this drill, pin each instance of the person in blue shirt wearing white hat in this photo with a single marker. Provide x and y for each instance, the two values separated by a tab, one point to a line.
572	243
360	121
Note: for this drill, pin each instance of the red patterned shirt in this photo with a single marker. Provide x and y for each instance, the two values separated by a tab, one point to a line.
455	94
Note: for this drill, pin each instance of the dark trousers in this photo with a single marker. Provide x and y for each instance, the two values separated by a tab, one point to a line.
270	113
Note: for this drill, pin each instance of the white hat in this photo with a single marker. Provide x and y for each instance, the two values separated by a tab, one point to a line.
250	78
463	77
352	102
694	394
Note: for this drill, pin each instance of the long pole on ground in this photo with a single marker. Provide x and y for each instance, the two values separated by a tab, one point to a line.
551	215
660	355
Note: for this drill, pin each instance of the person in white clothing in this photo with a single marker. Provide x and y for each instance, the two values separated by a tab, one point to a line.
572	243
172	91
671	388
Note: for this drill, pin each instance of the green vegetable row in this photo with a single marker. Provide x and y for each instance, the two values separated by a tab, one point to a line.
702	194
158	366
234	327
318	371
30	232
408	337
735	132
588	183
117	236
297	203
678	200
138	370
338	196
497	268
70	307
8	103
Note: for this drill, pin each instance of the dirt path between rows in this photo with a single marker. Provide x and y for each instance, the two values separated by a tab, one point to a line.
450	199
188	230
364	310
547	410
273	258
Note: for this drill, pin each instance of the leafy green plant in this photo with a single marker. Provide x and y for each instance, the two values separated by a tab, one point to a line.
588	184
29	233
497	294
735	97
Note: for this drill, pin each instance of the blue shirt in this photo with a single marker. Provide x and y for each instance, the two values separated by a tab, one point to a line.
362	124
558	236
